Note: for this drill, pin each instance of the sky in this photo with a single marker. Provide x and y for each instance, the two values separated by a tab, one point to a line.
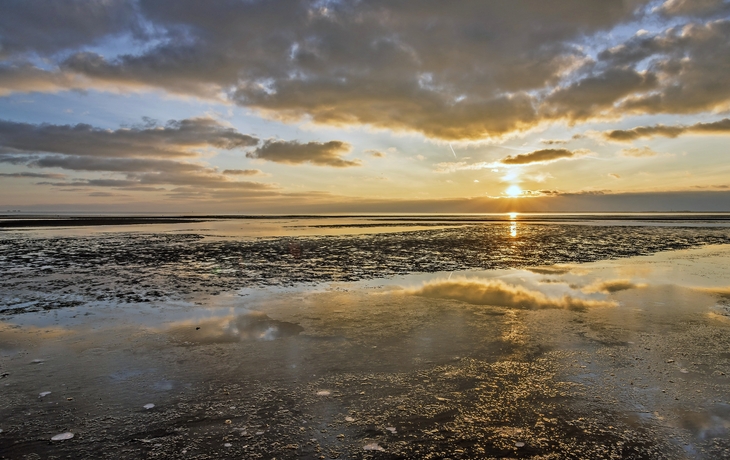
364	106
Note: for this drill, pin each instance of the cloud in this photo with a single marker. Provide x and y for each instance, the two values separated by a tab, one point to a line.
127	165
34	175
542	156
554	141
690	62
627	135
474	71
243	172
499	293
611	286
470	71
694	7
638	152
614	175
176	139
375	153
595	95
105	194
294	152
143	158
49	26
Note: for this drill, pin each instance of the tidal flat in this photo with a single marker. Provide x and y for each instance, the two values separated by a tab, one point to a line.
366	338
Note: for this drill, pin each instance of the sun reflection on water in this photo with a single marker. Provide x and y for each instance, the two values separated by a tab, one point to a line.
513	226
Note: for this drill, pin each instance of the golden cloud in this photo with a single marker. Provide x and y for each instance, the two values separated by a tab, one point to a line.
499	293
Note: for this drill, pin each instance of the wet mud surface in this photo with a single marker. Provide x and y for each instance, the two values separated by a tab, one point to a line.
183	346
42	274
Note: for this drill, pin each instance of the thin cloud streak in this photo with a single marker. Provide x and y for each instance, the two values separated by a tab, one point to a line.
542	156
627	135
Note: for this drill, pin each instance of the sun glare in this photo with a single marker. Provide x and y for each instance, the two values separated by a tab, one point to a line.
513	190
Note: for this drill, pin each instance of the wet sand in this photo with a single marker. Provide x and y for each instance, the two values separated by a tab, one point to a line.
579	357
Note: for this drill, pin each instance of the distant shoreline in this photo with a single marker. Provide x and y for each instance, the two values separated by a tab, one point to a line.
41	220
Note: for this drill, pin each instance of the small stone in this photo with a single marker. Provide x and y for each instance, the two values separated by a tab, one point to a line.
323	393
373	446
670	361
43	394
228	421
391	429
62	436
349	419
519	444
228	444
149	406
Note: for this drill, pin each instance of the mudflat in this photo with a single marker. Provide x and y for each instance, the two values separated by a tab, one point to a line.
514	339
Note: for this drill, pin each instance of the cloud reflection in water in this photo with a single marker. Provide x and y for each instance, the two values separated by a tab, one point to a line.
499	293
249	326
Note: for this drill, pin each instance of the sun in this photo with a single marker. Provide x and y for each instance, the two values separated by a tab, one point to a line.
513	190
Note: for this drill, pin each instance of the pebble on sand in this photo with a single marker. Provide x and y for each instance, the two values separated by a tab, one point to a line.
63	436
43	394
373	446
149	406
349	419
324	393
519	444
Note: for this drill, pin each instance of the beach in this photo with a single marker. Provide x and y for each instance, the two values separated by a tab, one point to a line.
365	337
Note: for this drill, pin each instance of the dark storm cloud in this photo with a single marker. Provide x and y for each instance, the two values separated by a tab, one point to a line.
294	152
541	156
626	135
176	139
